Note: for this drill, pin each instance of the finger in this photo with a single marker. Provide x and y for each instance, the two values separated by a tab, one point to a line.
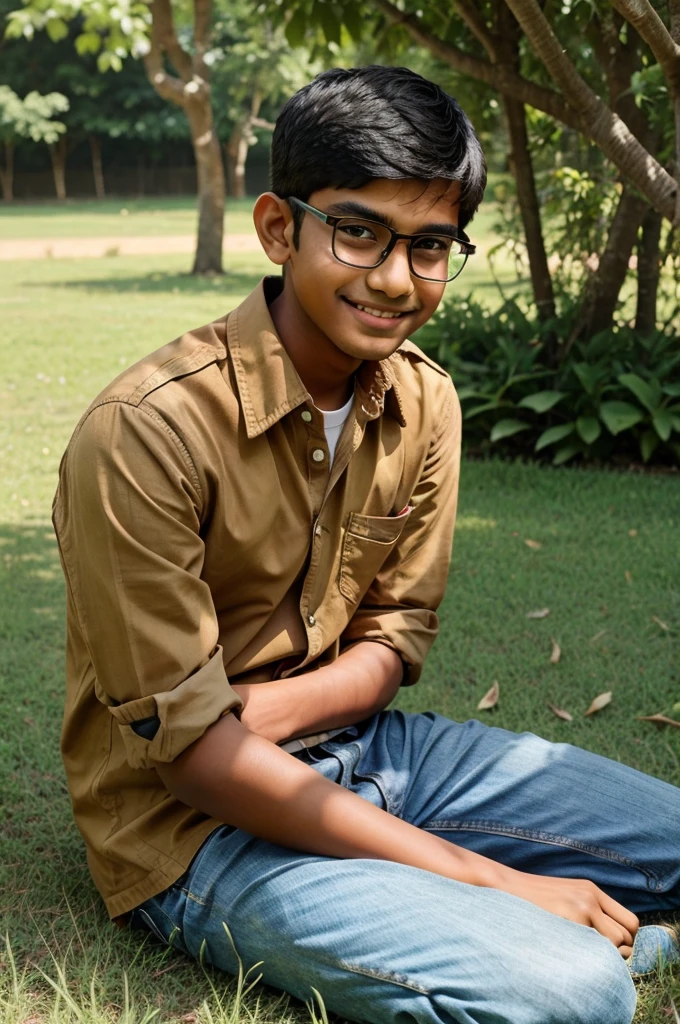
626	918
606	926
626	951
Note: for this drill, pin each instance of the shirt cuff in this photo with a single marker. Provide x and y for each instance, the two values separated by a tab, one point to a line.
174	719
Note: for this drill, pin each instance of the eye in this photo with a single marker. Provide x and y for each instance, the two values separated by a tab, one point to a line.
358	230
433	243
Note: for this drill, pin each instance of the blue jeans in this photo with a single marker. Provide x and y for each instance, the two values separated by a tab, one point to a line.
383	942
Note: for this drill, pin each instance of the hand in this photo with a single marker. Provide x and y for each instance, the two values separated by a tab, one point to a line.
581	901
253	713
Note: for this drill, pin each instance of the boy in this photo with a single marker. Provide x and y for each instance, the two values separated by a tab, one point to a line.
255	524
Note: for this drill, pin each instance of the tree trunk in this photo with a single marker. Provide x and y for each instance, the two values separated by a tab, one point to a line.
97	169
523	173
210	170
58	158
232	151
648	273
602	292
7	173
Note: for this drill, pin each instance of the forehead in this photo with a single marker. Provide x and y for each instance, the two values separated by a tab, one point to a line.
408	203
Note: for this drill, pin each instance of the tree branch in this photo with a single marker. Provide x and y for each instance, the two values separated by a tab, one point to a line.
603	126
163	27
499	76
649	26
475	22
674	9
167	86
202	21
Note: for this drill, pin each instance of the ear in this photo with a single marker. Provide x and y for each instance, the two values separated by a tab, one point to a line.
274	225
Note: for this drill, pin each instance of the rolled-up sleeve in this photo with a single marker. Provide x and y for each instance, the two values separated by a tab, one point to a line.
127	516
400	607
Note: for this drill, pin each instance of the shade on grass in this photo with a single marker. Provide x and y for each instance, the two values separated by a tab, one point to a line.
607	568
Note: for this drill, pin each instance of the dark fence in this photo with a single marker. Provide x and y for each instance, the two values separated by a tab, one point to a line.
129	181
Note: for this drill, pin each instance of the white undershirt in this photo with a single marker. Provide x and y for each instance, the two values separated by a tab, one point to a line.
333	422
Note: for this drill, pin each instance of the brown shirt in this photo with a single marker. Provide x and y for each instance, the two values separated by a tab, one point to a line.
205	539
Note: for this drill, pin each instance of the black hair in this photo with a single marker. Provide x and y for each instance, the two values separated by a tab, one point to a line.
349	127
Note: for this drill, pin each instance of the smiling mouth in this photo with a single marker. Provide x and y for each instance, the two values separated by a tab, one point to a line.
383	314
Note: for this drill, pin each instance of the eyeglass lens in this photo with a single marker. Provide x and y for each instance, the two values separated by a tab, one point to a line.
361	243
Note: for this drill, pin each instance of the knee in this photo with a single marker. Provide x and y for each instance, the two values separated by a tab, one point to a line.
598	988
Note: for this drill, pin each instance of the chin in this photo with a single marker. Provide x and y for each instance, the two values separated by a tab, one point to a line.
368	348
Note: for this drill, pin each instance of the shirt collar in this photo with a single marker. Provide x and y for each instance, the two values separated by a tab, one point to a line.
268	383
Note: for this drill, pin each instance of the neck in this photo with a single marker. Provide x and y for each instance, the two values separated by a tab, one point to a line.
326	372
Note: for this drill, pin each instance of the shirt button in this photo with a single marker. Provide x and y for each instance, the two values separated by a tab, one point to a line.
311	620
318	455
318	531
307	416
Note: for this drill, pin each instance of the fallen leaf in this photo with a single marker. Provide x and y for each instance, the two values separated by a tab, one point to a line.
632	533
533	544
659	720
663	625
556	652
490	699
597	636
629	578
540	613
561	713
600	702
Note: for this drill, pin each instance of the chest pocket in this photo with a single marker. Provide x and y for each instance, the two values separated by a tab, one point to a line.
367	542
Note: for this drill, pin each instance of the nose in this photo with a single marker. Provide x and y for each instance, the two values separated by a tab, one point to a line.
393	277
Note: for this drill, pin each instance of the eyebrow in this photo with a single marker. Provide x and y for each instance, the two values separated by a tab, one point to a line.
351	208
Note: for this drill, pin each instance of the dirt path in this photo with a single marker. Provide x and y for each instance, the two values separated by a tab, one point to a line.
94	248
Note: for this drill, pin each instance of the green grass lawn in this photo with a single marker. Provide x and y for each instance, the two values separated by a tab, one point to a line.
607	568
91	218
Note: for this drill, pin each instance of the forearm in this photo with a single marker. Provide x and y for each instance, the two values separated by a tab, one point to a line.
244	780
363	680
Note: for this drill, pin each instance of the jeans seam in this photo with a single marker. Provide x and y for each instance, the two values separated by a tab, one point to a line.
192	896
372	972
549	838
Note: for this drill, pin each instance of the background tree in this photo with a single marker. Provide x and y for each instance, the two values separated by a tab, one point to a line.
112	30
29	118
254	70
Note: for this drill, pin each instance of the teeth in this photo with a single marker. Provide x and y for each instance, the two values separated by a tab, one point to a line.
378	312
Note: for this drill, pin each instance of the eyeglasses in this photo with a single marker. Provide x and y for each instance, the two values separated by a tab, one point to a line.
365	244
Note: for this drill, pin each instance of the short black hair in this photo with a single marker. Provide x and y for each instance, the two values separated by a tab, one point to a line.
349	127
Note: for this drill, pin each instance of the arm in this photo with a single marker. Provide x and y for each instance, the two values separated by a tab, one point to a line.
363	680
244	780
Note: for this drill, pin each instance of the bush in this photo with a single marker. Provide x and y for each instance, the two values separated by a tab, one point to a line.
615	397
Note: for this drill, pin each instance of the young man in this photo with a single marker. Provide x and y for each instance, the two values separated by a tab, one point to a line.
255	524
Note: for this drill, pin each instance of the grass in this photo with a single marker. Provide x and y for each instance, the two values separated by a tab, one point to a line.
607	568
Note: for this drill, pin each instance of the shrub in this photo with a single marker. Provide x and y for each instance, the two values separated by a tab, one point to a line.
615	397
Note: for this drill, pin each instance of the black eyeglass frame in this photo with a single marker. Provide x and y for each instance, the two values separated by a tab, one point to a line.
469	248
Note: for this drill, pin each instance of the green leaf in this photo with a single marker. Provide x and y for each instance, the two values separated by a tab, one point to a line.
619	416
648	443
671	389
506	428
588	428
88	42
296	29
56	29
329	22
566	452
587	375
541	401
354	21
554	434
675	420
648	394
663	423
